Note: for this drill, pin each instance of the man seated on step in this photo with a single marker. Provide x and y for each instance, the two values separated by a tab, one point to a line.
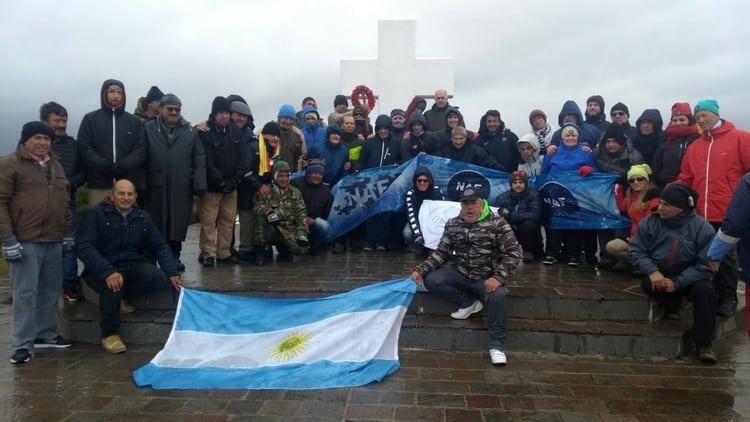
476	256
669	248
111	239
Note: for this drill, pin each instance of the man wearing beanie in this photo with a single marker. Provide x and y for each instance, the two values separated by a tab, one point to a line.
175	171
398	125
65	147
620	115
649	133
340	107
595	115
499	141
588	135
318	201
483	255
281	218
542	129
334	154
713	166
293	147
225	166
521	207
669	249
147	108
681	132
299	118
111	144
35	229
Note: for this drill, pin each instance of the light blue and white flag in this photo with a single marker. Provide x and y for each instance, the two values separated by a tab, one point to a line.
232	342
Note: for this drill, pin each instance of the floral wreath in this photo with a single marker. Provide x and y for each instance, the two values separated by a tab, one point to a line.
359	93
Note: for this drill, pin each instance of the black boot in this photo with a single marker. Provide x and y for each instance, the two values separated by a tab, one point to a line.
260	256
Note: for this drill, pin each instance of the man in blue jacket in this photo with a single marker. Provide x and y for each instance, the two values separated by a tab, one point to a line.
110	243
669	248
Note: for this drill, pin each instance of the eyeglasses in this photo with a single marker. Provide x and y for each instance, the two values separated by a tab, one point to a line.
423	180
636	179
618	113
173	109
358	114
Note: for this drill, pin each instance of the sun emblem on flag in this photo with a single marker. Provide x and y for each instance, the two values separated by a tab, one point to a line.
291	346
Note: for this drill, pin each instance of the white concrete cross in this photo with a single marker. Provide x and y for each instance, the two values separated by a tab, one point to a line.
396	76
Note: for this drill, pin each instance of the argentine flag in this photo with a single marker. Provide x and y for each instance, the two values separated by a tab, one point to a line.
231	342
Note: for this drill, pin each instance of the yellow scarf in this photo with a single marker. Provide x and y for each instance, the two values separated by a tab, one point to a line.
265	164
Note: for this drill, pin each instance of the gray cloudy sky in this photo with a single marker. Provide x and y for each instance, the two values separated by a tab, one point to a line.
510	55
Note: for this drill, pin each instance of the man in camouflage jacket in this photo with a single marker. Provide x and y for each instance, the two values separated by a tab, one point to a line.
281	218
483	253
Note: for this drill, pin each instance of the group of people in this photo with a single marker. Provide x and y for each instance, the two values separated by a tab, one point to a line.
143	171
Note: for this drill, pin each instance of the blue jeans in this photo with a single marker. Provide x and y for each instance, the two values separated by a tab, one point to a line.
452	286
36	283
69	259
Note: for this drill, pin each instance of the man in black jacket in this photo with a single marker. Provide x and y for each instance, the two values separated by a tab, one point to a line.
521	206
110	144
499	141
55	116
110	244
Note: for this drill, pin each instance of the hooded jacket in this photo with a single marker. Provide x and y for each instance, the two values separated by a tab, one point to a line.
568	158
599	120
532	166
226	156
335	156
378	152
618	163
646	144
416	103
588	135
314	134
501	145
443	137
670	151
435	117
713	165
414	199
415	144
111	144
736	229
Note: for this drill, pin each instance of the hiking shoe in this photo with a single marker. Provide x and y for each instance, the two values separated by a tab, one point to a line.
126	308
464	313
672	315
113	344
209	261
58	342
497	357
726	308
380	248
549	260
706	354
368	248
20	356
71	296
231	259
573	262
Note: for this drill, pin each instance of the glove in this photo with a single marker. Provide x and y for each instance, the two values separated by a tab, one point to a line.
272	218
419	240
303	242
12	249
504	212
68	244
585	171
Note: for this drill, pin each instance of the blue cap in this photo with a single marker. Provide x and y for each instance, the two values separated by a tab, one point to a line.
708	105
286	110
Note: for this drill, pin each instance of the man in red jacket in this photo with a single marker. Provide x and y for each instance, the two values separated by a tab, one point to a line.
713	166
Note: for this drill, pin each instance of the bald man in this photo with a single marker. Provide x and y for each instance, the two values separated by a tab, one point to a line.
111	240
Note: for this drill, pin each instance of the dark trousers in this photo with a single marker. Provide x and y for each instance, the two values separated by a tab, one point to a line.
703	297
725	280
573	240
138	278
69	259
452	286
529	235
176	247
378	229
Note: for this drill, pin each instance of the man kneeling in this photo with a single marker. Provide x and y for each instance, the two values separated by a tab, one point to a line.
111	240
484	253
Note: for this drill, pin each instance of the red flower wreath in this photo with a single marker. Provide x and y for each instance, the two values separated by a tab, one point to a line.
361	92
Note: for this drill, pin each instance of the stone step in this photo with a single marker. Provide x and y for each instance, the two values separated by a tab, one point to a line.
80	323
523	302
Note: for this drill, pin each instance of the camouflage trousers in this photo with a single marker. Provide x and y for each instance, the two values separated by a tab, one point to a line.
266	234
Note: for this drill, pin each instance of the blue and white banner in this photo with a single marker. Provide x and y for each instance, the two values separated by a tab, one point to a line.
232	342
571	201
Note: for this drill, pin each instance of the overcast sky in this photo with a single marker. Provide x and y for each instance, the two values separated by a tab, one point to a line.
510	55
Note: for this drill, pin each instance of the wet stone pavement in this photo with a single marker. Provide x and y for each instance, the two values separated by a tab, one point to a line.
85	384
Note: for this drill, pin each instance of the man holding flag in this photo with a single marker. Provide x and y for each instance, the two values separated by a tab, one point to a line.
484	253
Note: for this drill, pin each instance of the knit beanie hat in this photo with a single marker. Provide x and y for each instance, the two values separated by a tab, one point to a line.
519	175
535	113
286	110
597	98
316	165
240	108
154	94
340	100
334	128
681	109
620	107
170	100
708	105
680	196
640	170
360	109
35	128
615	132
271	128
570	128
398	112
220	104
280	166
382	121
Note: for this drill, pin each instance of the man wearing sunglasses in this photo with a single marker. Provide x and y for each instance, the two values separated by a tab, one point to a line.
175	170
620	115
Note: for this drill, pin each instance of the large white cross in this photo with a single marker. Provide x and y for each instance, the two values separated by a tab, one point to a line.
396	76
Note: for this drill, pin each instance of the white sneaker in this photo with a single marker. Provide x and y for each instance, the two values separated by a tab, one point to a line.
497	357
464	313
